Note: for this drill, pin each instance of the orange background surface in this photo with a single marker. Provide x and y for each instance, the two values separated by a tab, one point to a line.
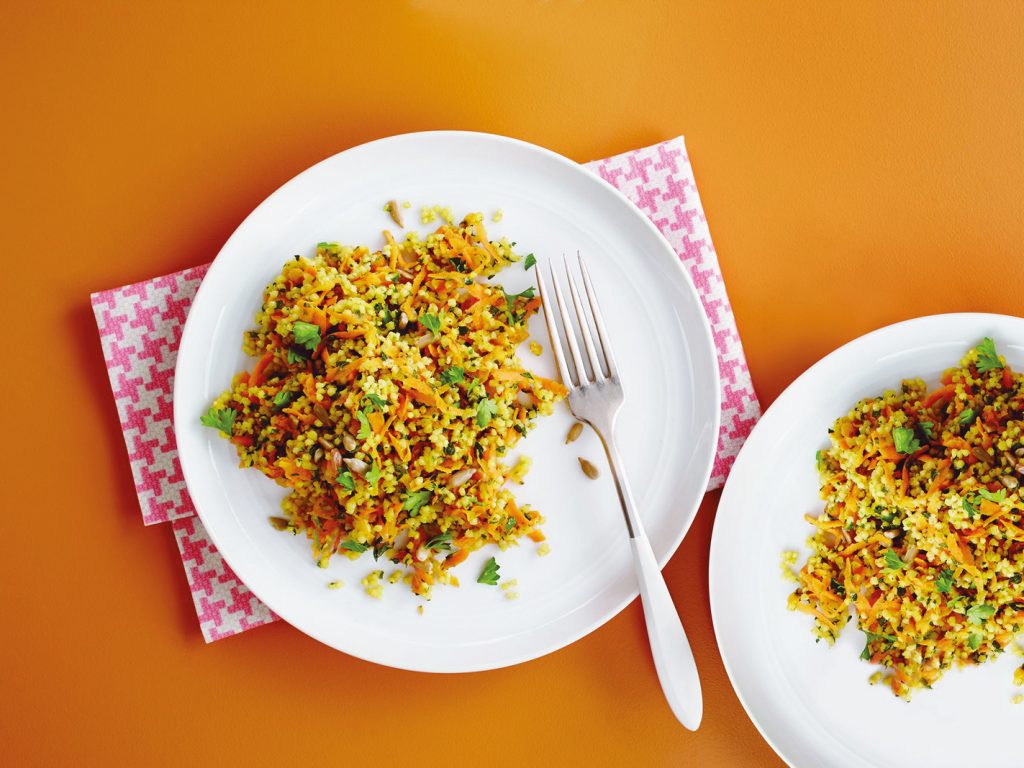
857	166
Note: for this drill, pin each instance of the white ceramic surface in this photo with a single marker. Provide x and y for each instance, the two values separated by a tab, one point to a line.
667	431
812	702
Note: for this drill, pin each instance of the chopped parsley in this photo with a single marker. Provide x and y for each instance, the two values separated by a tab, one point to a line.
893	561
306	335
970	507
353	546
379	549
511	297
998	496
411	502
529	261
373	475
224	419
988	358
945	581
967	417
979	614
510	523
871	638
490	573
293	357
377	400
346	481
282	398
486	409
431	322
904	440
365	431
973	641
441	542
926	428
452	375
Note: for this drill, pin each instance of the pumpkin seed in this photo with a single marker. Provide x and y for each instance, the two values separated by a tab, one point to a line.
588	469
348	442
574	432
279	523
1009	481
358	466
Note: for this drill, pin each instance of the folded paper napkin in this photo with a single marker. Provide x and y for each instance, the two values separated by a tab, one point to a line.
140	327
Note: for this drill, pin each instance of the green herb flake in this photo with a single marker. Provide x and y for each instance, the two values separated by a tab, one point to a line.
529	261
510	523
377	401
411	502
282	398
945	581
441	542
970	507
905	440
967	417
988	358
486	409
223	419
353	546
979	614
306	335
893	561
926	428
996	497
973	641
294	358
346	481
365	431
431	322
872	637
452	375
373	474
490	573
510	298
380	549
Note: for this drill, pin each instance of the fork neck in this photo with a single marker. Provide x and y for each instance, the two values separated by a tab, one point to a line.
605	429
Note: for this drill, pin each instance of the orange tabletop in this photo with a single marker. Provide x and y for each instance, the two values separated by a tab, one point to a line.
857	166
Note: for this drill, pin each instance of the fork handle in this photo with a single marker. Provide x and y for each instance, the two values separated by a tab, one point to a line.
673	658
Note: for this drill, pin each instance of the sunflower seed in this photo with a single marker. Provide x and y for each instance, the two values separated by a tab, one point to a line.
588	469
321	413
403	320
1009	481
318	454
980	454
358	466
423	340
460	478
395	212
574	432
348	442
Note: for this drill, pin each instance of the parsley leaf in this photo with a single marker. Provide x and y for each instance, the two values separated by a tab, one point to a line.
353	546
510	523
926	428
379	549
893	561
529	261
905	440
988	358
973	641
966	417
411	502
945	581
306	335
373	475
511	297
345	480
282	398
490	573
365	431
486	409
224	419
998	496
293	357
441	542
452	375
431	322
970	506
872	637
377	400
979	614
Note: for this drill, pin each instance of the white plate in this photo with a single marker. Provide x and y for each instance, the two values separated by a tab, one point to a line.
667	431
811	702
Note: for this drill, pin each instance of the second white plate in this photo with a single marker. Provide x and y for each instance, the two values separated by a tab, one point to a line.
812	702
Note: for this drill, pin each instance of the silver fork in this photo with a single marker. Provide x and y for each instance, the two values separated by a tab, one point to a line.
596	398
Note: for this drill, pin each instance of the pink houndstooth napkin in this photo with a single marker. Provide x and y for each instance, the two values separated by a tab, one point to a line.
140	327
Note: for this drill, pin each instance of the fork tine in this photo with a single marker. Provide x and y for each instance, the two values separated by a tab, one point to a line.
602	334
596	365
556	346
570	334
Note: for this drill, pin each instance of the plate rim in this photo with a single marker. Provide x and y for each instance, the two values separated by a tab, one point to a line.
705	333
717	533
